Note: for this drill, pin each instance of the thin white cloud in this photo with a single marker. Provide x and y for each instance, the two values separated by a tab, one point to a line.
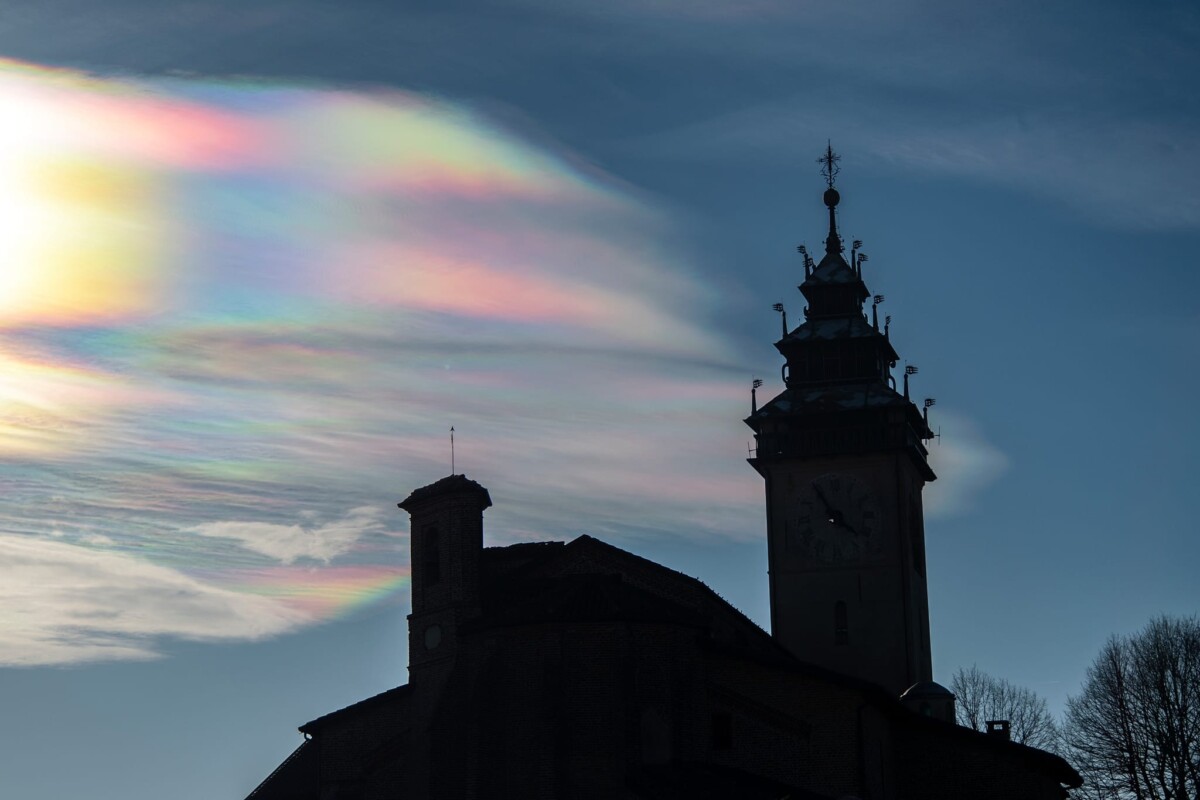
66	604
1130	172
966	463
1137	172
1097	123
288	543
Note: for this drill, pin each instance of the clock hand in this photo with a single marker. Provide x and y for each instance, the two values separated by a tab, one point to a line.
835	516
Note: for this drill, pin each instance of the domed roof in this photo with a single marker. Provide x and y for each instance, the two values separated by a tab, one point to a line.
926	689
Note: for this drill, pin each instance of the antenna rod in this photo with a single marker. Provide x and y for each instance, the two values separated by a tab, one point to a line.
451	449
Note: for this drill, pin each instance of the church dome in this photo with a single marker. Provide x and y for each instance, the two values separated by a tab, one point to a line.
930	699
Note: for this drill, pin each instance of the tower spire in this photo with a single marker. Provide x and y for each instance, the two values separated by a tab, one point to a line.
830	169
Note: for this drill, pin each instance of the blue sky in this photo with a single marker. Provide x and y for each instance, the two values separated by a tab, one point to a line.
259	259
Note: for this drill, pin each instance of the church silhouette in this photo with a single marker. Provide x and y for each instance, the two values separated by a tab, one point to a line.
580	671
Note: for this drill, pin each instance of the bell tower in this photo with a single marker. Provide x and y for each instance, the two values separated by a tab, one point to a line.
446	543
842	453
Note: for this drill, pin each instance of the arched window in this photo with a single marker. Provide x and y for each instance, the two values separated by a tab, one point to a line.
841	624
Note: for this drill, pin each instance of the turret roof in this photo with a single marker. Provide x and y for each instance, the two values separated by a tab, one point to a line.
828	328
451	484
833	269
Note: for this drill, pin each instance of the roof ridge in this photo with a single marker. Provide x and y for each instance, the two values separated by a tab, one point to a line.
711	592
374	699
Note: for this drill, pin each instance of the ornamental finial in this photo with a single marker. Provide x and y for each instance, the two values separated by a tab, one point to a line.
829	164
830	169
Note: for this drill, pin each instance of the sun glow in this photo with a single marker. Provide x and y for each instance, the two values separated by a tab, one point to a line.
72	244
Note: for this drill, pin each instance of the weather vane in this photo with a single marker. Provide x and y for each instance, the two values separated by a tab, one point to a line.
829	164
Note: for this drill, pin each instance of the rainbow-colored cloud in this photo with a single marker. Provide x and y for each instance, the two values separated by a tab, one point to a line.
237	320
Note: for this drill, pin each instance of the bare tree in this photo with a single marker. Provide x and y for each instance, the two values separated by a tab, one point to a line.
1133	732
979	697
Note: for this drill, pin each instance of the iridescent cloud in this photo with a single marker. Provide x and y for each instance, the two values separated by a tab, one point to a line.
237	320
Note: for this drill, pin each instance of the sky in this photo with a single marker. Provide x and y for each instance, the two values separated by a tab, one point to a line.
257	259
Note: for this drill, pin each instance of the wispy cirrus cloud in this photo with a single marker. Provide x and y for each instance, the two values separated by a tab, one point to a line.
1133	172
1093	122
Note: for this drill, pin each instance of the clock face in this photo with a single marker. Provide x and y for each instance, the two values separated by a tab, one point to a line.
837	520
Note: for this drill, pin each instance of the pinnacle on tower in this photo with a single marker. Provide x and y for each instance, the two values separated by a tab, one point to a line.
830	169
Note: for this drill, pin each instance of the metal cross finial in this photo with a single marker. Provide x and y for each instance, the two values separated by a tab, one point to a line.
829	164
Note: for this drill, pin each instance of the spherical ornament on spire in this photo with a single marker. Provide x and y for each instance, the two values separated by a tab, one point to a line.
832	197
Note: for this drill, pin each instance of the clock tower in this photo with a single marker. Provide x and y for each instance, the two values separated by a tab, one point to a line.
842	452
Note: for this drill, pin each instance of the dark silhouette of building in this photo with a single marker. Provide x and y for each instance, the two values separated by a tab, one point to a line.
843	458
579	670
